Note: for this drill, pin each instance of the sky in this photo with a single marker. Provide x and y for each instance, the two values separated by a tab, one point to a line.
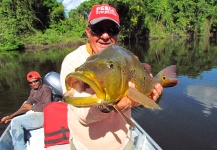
70	4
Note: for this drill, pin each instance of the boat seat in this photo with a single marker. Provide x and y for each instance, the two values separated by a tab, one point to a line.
35	142
34	139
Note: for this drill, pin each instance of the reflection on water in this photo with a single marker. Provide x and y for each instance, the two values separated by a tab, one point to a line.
205	94
188	119
204	90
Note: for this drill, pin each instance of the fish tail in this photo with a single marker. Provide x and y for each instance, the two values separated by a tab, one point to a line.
167	77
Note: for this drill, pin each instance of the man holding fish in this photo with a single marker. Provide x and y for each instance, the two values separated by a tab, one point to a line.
96	126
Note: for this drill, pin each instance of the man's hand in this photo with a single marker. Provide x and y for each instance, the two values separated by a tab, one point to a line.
157	91
24	108
126	103
5	119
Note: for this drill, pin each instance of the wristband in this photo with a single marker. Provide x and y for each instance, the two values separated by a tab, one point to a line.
104	109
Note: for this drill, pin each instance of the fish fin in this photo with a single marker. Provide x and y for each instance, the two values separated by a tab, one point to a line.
130	122
82	101
138	97
147	67
167	77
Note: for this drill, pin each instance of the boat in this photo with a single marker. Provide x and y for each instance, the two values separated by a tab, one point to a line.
141	140
35	138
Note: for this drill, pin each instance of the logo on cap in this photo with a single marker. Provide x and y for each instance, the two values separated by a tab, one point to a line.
103	12
106	10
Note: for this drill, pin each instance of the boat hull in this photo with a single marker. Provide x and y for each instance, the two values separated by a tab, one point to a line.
5	140
141	140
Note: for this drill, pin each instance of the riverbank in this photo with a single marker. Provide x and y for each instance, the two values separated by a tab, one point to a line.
57	46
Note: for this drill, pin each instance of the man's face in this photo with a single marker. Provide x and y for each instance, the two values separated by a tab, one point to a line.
102	35
34	83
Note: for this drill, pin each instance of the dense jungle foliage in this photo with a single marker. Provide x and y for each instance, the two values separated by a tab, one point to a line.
28	23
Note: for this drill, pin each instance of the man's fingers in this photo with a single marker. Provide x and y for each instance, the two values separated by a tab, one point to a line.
159	88
131	84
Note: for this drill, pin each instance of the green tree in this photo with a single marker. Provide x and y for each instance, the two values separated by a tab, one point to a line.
22	18
43	21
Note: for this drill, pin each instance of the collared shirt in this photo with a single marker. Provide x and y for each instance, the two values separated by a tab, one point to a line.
40	97
89	126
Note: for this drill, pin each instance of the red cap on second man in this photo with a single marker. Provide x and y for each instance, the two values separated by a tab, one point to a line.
32	75
103	12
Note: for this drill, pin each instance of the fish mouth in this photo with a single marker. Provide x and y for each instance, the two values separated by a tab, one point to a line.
85	82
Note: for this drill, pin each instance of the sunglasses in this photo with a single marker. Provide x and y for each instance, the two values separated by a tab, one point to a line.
112	31
35	81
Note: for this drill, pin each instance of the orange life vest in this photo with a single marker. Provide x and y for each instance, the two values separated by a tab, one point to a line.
56	129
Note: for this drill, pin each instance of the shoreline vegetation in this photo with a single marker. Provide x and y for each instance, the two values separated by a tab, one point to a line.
57	46
30	25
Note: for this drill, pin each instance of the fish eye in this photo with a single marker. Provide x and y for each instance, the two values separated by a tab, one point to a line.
164	78
110	65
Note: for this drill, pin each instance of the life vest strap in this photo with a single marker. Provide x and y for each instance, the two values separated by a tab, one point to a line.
62	131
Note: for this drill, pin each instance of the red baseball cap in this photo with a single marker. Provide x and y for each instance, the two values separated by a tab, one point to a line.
32	75
103	12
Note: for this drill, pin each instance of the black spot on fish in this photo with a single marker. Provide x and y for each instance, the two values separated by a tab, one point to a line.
133	73
144	78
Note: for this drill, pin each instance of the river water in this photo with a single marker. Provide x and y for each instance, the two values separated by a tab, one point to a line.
188	119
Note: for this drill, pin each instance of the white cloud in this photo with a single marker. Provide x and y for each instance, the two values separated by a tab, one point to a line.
71	4
205	95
